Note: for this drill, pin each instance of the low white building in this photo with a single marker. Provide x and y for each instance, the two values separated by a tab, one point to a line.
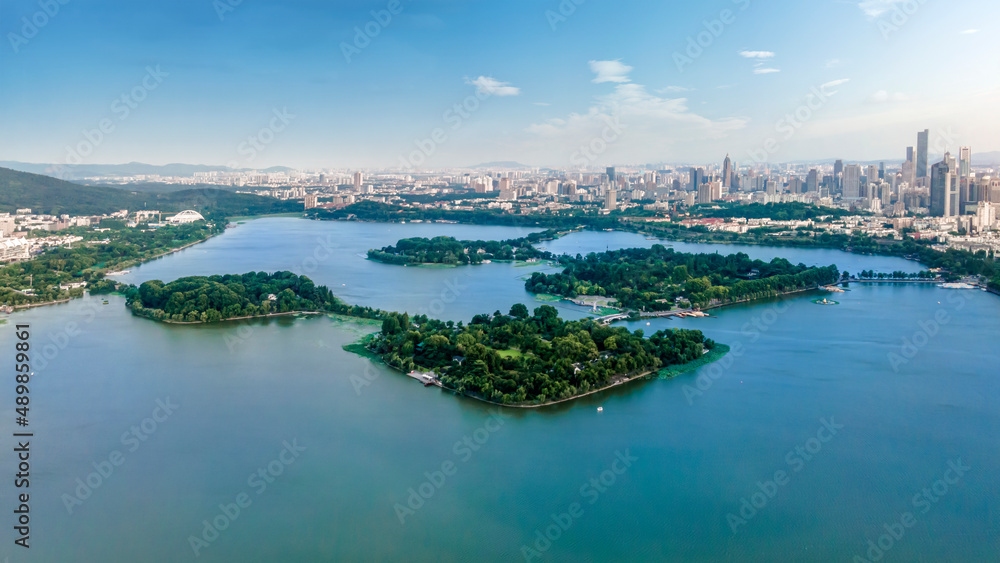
189	216
14	249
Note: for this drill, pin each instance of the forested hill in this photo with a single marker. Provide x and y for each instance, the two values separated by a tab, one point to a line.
52	196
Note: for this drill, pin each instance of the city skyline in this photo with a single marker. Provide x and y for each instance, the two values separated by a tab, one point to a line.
387	84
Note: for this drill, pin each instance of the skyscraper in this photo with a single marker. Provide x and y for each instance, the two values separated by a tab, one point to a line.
851	182
611	175
812	181
943	188
697	177
872	174
922	139
727	172
838	174
881	171
964	161
611	198
359	179
909	155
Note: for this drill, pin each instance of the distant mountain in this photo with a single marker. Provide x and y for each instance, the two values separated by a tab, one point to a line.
985	158
501	164
77	171
52	196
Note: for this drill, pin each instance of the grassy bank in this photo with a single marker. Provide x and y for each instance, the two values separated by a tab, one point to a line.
712	356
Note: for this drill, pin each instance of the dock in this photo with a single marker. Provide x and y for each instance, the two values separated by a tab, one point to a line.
428	378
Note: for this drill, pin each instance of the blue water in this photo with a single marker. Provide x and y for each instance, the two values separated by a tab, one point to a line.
700	442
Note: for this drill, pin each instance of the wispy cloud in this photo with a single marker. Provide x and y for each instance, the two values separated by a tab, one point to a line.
875	8
610	71
673	90
653	124
970	31
757	54
885	97
545	104
493	87
765	70
834	84
833	63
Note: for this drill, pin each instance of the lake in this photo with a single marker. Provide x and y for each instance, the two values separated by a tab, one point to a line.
819	432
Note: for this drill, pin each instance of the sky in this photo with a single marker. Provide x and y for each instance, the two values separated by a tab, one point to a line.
420	84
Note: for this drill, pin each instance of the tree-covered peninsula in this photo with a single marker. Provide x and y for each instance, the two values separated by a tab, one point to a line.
448	250
217	298
528	359
656	278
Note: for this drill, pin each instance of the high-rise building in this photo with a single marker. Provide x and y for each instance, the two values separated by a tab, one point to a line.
727	172
311	201
922	141
964	161
910	155
611	175
851	182
872	174
943	190
611	198
359	180
812	181
697	177
838	174
881	171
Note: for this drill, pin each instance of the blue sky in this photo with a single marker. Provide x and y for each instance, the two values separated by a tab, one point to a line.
549	84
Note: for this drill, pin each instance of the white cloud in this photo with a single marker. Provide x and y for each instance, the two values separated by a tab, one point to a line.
673	90
546	104
875	8
834	84
610	71
970	31
493	87
765	70
651	127
757	54
884	97
833	63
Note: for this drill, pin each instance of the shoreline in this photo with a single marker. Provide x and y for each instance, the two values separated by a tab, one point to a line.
119	267
269	315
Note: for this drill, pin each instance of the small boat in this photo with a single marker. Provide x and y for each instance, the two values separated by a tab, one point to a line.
600	409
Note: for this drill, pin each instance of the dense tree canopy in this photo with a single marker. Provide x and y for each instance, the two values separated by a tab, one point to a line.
522	358
448	250
216	298
653	279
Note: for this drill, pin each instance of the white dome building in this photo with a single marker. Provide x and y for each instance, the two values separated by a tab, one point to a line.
188	216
